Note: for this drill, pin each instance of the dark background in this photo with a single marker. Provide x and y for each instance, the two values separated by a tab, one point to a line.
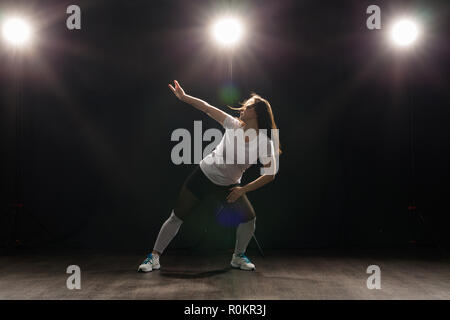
98	116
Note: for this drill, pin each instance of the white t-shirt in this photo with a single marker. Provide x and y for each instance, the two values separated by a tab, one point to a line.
226	168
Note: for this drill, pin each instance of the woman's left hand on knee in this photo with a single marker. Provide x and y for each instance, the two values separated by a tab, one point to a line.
236	193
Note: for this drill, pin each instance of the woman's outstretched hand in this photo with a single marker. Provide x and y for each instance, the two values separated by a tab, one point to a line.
197	103
178	91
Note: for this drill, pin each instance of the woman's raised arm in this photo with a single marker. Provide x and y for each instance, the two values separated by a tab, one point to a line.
199	104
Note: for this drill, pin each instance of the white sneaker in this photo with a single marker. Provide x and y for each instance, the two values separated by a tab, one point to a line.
150	263
240	261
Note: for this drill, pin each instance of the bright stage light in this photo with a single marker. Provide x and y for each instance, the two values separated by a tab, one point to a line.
16	31
404	32
227	31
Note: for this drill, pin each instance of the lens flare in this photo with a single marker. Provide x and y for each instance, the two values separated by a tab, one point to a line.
228	217
16	31
227	31
229	94
404	32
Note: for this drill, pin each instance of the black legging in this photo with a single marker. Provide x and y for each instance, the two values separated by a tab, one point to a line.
197	186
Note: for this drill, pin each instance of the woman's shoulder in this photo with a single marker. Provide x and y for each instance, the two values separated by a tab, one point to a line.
231	122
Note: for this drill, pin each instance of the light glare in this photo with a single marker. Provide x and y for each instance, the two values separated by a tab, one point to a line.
16	31
227	31
404	32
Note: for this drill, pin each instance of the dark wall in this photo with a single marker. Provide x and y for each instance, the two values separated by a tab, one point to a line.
98	116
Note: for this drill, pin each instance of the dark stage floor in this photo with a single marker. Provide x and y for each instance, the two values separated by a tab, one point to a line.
287	275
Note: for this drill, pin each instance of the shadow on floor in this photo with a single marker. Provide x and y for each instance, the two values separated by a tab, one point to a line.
193	275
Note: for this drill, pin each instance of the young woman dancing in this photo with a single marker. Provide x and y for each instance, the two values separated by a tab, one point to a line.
217	176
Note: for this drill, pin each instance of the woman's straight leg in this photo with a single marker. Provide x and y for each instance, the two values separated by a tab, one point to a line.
186	203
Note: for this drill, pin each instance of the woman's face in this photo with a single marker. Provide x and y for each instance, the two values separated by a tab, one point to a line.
249	111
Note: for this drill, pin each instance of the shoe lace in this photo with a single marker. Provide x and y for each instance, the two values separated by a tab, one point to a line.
243	256
148	259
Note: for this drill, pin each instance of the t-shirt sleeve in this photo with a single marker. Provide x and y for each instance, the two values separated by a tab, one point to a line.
231	122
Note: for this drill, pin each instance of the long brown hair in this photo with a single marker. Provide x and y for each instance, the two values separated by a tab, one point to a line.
264	115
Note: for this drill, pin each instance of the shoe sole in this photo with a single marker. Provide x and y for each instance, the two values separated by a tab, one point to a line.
143	271
240	268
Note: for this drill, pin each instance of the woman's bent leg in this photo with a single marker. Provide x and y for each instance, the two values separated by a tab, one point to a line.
246	228
244	234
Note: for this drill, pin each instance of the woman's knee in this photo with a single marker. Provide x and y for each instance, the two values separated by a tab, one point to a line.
174	218
246	209
180	213
249	216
